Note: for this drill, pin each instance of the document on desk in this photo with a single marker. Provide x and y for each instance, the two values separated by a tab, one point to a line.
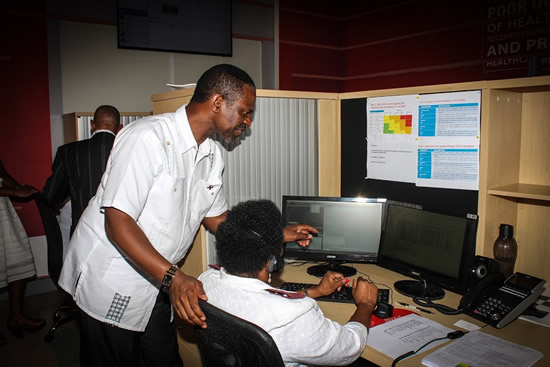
480	349
405	334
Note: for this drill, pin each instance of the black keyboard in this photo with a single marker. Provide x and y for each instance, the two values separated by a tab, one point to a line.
344	296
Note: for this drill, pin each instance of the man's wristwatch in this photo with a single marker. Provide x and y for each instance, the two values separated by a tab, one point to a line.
167	279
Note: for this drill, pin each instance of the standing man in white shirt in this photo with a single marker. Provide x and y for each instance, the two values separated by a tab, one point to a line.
164	179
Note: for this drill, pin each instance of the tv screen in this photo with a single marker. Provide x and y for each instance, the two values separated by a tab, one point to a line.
192	26
349	231
435	249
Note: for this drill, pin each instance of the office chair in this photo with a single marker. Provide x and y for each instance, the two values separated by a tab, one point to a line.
230	341
54	240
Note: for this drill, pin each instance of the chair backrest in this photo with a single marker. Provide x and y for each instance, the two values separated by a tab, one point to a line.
54	238
231	341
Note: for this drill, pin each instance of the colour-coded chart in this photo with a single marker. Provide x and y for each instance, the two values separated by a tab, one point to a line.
398	124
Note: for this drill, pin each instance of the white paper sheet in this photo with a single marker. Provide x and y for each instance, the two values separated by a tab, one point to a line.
482	350
390	161
447	115
448	140
391	132
452	165
405	334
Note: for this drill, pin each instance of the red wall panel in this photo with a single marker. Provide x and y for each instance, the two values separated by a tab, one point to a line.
407	18
310	61
326	8
25	142
407	79
388	44
298	27
428	50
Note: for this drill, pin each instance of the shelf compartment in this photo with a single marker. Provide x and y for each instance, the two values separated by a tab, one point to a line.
522	191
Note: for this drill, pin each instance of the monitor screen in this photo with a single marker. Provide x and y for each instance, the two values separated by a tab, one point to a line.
192	26
435	249
349	231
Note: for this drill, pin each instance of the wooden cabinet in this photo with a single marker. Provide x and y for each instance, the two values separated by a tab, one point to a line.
514	176
514	173
515	169
171	101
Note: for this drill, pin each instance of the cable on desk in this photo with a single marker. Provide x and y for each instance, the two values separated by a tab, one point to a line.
452	335
297	263
446	310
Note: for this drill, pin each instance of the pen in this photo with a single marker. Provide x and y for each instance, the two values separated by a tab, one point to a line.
414	307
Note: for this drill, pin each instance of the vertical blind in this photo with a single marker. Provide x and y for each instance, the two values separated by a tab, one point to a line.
84	127
276	157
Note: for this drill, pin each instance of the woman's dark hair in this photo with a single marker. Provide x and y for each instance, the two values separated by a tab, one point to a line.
249	236
224	79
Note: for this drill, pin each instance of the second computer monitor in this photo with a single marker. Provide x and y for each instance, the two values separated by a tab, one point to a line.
349	231
435	249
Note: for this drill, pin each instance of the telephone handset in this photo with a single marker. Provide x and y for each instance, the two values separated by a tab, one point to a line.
489	284
498	302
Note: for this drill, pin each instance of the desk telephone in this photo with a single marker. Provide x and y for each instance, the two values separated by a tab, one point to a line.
497	301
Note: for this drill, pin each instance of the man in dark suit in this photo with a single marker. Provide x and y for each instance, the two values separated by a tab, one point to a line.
78	167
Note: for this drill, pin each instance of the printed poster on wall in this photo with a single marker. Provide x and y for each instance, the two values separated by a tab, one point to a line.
448	140
431	140
391	132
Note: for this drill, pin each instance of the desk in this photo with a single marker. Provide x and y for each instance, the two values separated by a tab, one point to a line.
519	331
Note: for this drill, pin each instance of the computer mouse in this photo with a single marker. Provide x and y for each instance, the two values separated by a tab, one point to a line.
383	310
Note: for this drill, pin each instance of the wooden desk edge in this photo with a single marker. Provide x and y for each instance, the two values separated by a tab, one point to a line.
519	331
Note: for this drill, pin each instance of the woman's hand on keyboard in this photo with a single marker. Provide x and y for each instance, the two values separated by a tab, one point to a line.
364	292
365	295
332	281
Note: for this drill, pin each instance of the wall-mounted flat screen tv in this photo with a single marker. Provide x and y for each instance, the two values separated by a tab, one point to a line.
191	26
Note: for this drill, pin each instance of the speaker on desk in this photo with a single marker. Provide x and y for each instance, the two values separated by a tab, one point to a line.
481	267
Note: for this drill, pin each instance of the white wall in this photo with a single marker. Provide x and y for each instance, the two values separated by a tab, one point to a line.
247	55
95	71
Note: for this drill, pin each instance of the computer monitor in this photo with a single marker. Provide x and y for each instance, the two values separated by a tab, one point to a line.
349	231
435	249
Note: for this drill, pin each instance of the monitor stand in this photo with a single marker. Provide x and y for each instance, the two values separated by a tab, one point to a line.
419	288
320	270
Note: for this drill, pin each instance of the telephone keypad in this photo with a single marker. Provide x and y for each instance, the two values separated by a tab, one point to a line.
499	307
493	308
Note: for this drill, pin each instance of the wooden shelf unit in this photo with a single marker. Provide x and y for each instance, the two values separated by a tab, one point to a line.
522	191
514	177
514	172
517	171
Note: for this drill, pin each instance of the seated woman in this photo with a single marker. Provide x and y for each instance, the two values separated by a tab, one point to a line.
247	242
